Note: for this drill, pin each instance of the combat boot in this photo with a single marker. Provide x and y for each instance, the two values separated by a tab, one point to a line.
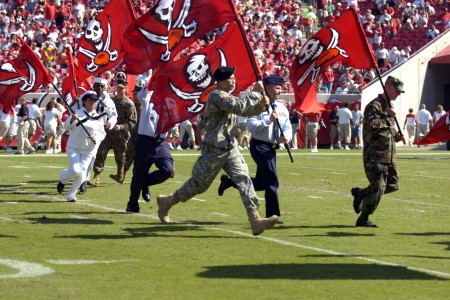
259	224
164	204
120	177
95	180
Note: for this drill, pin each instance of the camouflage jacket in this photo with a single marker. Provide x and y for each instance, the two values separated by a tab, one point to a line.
126	116
221	113
378	132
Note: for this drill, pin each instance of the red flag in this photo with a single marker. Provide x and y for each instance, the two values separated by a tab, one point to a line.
342	40
99	48
181	88
71	86
440	132
169	27
22	75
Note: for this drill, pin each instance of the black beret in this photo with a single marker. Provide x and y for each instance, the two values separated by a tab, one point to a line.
223	73
277	80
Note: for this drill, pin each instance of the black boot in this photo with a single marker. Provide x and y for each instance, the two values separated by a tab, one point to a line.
357	199
363	221
82	187
225	183
146	193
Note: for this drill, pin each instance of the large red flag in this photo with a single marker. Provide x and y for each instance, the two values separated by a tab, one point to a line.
169	27
342	40
99	48
439	133
71	86
22	75
181	88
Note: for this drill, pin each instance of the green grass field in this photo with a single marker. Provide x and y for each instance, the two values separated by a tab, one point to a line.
91	249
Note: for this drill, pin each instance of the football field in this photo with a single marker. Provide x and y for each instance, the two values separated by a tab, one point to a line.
92	249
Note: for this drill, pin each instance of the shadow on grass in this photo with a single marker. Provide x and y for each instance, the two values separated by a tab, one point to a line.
444	243
316	272
342	234
7	236
29	201
48	220
322	226
424	233
378	256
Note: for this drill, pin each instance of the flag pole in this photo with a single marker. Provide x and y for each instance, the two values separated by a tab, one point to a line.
389	102
257	71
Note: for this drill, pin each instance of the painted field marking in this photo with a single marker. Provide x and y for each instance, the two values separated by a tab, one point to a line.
314	197
286	243
198	199
219	214
418	210
86	262
6	219
25	269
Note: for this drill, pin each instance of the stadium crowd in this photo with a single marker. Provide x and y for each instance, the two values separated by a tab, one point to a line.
276	29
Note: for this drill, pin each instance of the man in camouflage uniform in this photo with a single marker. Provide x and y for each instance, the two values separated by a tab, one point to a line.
117	137
219	151
380	136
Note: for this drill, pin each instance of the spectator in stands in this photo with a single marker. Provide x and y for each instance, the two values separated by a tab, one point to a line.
311	18
433	32
396	26
381	54
378	34
4	23
48	53
49	12
369	30
422	22
31	5
444	16
394	56
429	9
330	8
385	19
328	79
418	4
295	32
78	11
342	89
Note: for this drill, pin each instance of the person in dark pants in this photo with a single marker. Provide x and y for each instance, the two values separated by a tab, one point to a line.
380	136
265	141
151	148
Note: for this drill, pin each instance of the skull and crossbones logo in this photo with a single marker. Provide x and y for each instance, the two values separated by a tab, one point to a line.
176	30
313	52
27	85
102	55
198	74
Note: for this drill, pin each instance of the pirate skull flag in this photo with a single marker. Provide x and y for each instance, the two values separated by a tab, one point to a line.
169	27
99	48
342	40
22	75
181	88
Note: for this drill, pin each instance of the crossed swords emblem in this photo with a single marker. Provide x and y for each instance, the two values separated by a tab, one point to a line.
27	85
175	32
103	55
199	97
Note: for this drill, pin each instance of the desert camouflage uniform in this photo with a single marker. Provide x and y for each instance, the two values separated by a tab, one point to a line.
218	148
131	146
378	154
126	119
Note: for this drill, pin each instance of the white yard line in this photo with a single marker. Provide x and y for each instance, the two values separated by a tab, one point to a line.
297	245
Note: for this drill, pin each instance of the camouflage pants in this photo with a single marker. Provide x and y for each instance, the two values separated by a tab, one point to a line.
206	168
129	155
119	146
383	179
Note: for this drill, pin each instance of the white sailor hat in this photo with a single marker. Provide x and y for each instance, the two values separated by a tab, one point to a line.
100	80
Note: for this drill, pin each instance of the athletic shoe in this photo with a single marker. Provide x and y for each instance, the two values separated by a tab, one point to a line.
365	223
18	153
346	147
72	200
179	147
132	209
60	187
9	150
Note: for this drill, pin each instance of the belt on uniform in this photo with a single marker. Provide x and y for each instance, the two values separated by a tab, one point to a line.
157	139
271	145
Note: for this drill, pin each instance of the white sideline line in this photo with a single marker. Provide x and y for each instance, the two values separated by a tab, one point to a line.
84	262
198	199
418	210
314	197
286	243
5	219
219	214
